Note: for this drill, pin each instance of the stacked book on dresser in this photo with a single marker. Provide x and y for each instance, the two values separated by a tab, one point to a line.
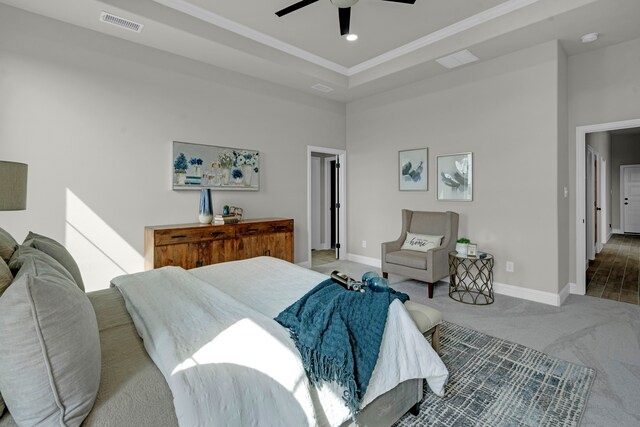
219	219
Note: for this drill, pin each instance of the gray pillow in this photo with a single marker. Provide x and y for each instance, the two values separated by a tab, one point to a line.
23	254
49	348
5	279
7	245
57	252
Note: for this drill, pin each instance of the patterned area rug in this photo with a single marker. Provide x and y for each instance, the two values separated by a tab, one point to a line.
493	382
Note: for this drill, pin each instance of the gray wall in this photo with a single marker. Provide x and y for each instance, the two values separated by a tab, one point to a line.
625	150
563	173
600	142
94	118
604	87
506	112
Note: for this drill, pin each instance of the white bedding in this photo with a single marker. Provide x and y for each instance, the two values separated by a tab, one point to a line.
231	323
225	363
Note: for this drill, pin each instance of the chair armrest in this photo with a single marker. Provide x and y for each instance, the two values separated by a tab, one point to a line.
391	246
438	262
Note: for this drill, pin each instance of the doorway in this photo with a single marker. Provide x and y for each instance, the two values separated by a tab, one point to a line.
581	207
326	204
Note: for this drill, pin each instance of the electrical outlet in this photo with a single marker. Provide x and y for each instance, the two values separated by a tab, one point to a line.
364	243
510	266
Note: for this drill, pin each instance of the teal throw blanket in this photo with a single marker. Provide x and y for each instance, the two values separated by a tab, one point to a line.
338	333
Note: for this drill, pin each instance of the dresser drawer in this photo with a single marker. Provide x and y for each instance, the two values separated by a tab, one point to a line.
264	227
187	235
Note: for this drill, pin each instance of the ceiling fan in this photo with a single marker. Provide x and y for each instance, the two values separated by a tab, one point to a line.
344	10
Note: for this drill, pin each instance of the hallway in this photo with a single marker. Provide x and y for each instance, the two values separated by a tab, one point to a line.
614	274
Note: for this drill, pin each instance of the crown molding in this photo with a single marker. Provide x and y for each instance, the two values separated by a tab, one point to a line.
446	32
190	9
227	24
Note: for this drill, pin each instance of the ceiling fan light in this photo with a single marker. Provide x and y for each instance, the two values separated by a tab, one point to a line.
344	3
352	37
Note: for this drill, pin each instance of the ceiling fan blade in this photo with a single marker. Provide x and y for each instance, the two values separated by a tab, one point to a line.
344	13
402	1
295	7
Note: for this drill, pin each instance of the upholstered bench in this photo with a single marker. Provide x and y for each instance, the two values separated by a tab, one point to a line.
427	320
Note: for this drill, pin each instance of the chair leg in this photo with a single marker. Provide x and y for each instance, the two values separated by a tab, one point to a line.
435	339
430	289
385	275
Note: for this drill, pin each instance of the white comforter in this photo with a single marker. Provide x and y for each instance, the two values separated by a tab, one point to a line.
228	363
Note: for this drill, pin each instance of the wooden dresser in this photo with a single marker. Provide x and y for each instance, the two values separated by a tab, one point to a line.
196	245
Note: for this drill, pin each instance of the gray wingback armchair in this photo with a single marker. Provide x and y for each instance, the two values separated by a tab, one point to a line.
429	266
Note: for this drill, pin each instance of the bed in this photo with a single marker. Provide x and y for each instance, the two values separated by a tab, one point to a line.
133	391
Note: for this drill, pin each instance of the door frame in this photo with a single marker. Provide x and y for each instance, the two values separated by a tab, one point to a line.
327	200
591	157
581	239
603	202
622	168
342	199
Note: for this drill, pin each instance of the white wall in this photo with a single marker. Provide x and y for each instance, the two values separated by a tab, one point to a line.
506	112
604	87
94	118
625	150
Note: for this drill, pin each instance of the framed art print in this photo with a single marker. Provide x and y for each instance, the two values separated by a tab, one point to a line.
412	168
472	249
196	166
455	177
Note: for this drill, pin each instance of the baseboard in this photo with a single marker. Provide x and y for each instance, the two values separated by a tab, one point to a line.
564	293
616	231
609	237
305	264
373	262
543	297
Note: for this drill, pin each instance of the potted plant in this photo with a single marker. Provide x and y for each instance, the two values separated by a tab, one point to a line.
226	163
196	162
248	162
180	169
462	246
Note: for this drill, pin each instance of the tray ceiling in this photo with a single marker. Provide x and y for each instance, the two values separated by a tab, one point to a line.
398	43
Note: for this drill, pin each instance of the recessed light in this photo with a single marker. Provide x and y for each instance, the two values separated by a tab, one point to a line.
352	37
589	38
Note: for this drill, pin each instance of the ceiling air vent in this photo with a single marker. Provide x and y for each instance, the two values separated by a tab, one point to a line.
322	88
457	59
120	22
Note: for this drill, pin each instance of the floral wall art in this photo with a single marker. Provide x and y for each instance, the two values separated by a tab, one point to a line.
198	166
455	177
413	169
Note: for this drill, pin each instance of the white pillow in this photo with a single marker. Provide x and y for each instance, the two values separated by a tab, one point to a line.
421	242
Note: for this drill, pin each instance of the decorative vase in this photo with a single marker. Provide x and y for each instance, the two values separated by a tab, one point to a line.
181	178
225	175
247	170
205	213
462	248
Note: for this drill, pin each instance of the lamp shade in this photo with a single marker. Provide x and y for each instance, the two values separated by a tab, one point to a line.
13	186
